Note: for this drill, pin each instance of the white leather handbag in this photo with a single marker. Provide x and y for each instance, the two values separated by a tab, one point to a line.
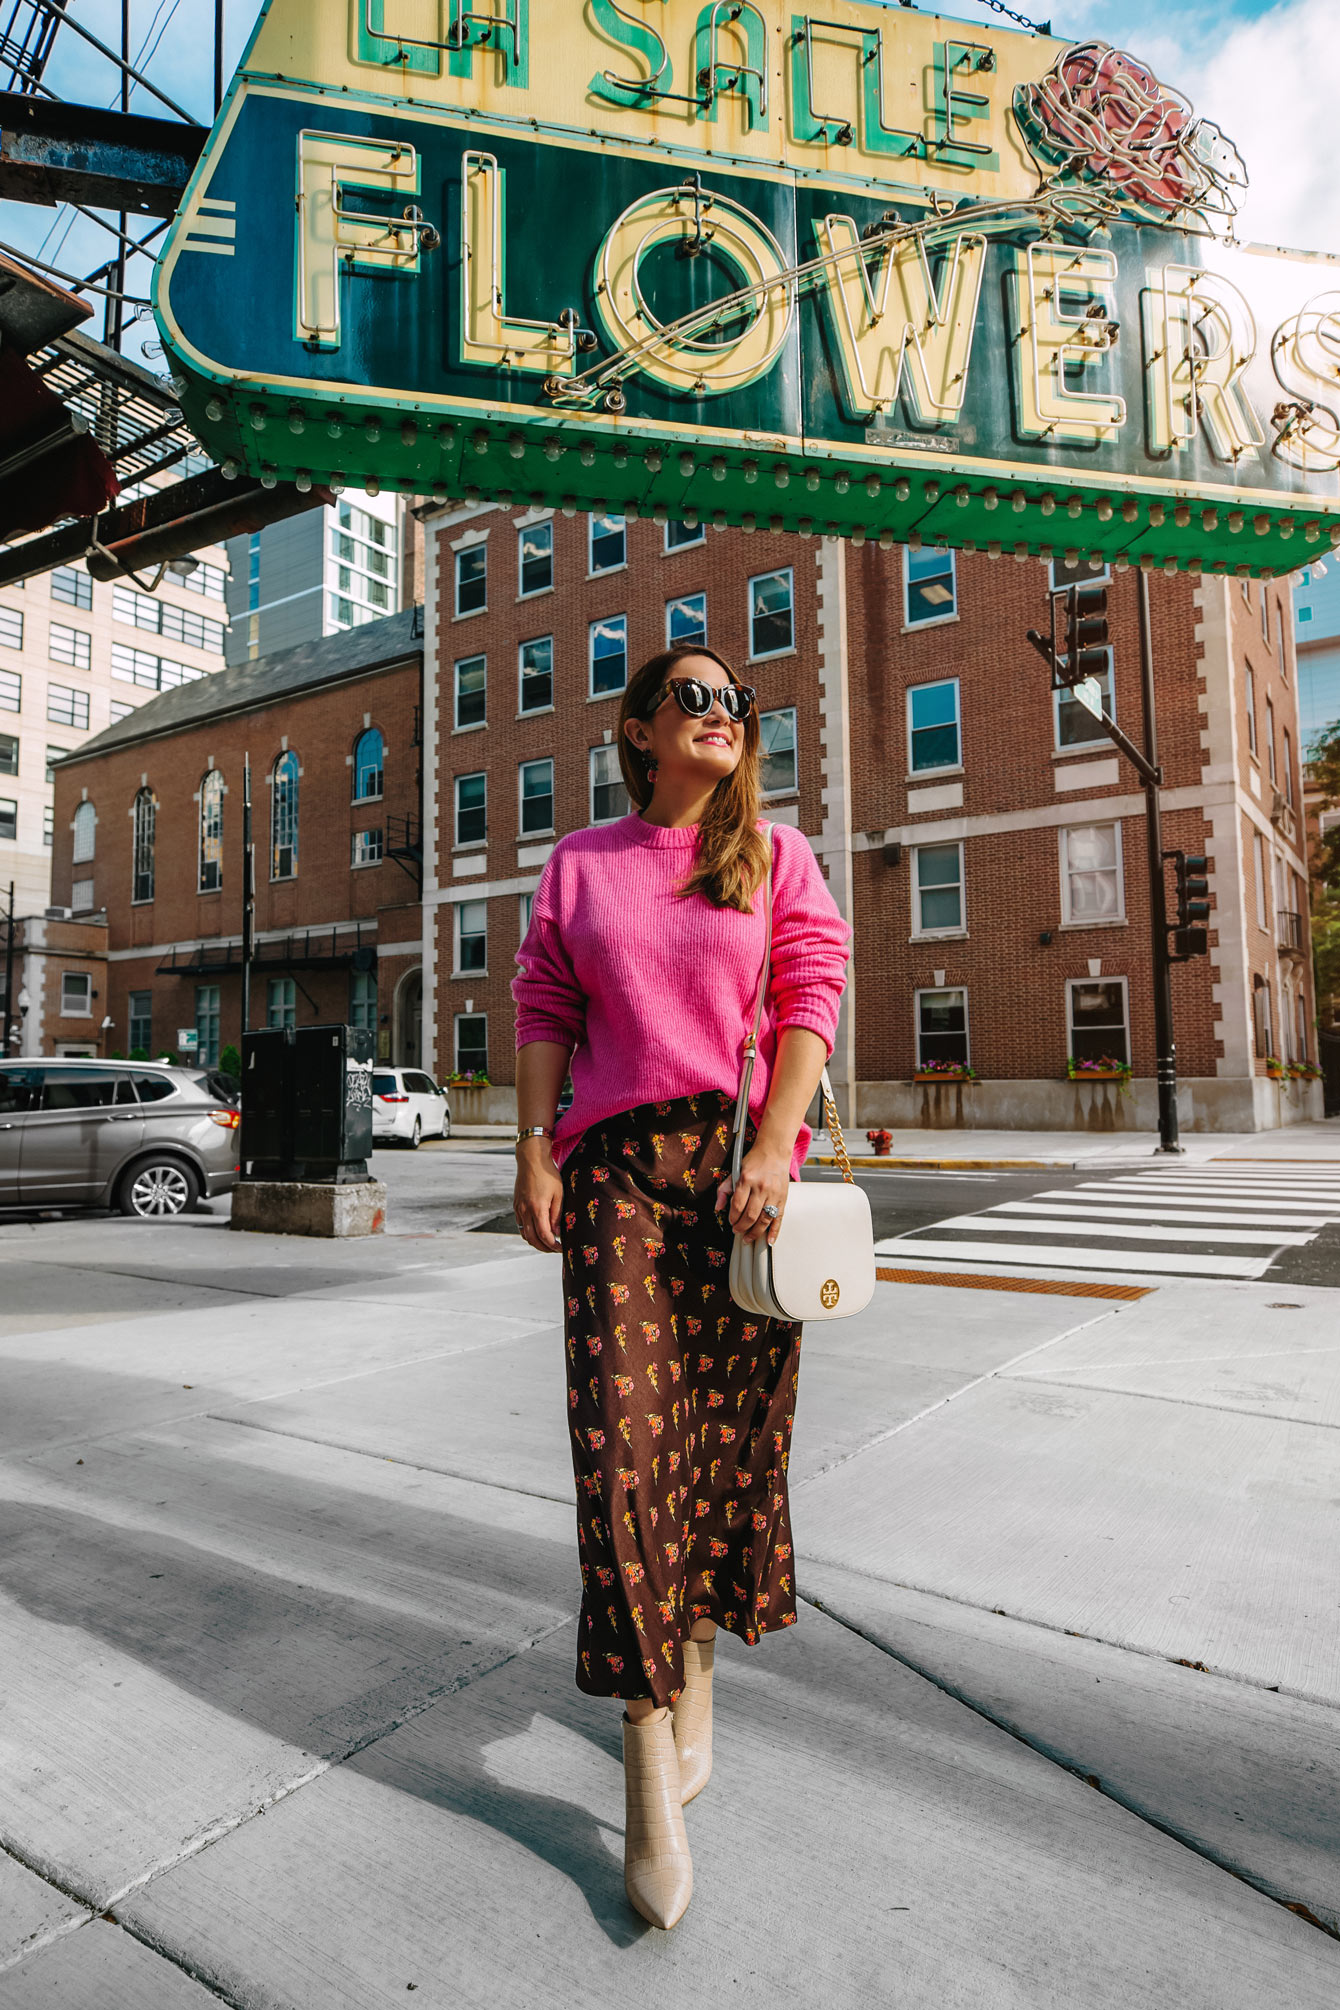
822	1265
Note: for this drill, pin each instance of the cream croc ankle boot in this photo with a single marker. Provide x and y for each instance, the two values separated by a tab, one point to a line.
657	1867
692	1713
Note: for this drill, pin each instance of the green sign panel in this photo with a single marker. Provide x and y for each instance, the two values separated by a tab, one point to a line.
858	276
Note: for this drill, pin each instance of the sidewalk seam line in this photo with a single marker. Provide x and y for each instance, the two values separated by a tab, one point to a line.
1184	1402
1075	1770
386	1458
882	1437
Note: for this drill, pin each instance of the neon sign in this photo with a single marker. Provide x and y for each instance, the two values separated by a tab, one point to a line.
860	275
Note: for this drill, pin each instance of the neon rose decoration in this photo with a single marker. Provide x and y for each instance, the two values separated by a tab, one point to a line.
1102	118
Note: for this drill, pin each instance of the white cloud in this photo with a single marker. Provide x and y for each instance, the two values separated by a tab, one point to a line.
1271	86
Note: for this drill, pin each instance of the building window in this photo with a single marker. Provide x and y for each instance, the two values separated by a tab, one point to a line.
1283	653
9	756
160	617
471	691
930	588
211	832
609	543
54	754
472	1043
67	707
85	834
369	760
1091	882
76	994
1259	871
82	897
678	534
1096	1016
535	673
771	614
367	847
281	1002
11	628
11	691
537	797
145	816
284	817
1288	767
1270	739
472	579
151	673
527	909
1302	1002
471	809
1265	615
1083	572
1075	723
1249	684
362	572
119	709
48	825
140	1026
363	999
609	797
207	579
70	645
472	938
71	588
535	557
1261	1018
609	655
933	727
207	1024
9	817
942	1027
938	884
777	751
686	620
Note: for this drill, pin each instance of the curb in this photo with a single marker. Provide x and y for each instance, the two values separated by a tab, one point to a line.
949	1165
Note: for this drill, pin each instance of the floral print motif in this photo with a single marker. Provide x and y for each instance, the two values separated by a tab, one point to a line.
661	1505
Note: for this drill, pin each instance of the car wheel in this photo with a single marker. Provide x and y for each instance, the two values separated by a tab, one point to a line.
413	1139
157	1188
446	1125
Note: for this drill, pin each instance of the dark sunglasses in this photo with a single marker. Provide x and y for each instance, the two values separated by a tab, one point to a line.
697	698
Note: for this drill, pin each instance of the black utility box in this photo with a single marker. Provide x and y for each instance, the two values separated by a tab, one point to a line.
307	1103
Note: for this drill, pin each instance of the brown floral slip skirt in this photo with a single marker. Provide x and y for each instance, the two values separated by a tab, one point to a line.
680	1403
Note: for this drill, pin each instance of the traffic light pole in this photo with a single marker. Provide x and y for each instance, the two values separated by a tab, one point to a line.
1165	1044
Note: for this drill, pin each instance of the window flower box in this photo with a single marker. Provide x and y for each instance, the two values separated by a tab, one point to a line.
946	1071
1105	1069
473	1078
1303	1071
1275	1069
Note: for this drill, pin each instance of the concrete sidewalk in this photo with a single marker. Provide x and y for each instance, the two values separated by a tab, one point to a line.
287	1589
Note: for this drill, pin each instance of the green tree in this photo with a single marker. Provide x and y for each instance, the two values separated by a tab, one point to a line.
1323	772
230	1062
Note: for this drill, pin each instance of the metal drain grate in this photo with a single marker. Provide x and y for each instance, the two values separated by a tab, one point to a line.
1051	1286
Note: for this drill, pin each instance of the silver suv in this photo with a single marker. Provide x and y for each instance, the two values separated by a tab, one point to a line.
143	1137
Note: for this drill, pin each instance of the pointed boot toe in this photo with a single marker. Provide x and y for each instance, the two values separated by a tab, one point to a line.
692	1713
657	1867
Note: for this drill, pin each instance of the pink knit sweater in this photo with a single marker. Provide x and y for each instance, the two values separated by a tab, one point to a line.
654	994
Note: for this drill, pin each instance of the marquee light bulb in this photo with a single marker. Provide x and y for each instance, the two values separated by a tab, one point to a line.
1235	521
213	409
718	467
1182	515
902	489
990	497
1104	507
1047	503
812	480
841	481
872	486
781	476
409	432
751	471
1018	501
1261	524
1209	519
516	445
586	454
1130	510
1157	515
302	481
687	465
1074	508
749	522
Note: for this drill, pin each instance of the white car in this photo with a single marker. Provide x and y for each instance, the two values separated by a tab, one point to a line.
408	1105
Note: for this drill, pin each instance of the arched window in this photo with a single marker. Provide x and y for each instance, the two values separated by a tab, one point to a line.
369	755
211	832
284	817
145	817
85	829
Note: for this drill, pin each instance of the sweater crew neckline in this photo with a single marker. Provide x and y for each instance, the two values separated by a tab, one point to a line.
659	835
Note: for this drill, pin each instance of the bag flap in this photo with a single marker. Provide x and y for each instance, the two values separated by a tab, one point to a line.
826	1246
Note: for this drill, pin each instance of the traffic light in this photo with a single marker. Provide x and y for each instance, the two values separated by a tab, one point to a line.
1189	932
1086	634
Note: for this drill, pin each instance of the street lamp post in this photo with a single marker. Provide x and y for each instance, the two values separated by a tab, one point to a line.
9	971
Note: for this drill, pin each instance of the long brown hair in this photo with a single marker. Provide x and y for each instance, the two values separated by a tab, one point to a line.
730	858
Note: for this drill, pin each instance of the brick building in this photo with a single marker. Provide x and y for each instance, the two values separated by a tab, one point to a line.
151	809
983	836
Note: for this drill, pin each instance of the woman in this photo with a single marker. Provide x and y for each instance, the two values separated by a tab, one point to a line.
640	969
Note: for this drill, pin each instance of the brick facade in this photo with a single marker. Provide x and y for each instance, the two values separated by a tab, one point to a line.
1009	799
310	926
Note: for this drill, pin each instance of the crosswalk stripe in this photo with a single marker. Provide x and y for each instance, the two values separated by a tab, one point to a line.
1303	1196
976	1224
1292	1214
1095	1211
1054	1257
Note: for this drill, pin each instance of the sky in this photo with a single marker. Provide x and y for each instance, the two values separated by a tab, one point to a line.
1231	58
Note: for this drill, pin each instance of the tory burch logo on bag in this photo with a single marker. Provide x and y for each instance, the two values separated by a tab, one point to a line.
829	1294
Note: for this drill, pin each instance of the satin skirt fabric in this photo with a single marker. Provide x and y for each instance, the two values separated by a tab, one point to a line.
680	1404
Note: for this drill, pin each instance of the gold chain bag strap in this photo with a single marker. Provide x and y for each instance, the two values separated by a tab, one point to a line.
822	1264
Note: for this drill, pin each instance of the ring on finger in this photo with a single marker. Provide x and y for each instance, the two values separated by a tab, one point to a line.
771	1211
